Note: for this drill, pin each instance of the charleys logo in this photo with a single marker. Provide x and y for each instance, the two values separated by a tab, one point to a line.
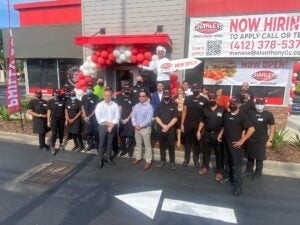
264	75
208	27
166	66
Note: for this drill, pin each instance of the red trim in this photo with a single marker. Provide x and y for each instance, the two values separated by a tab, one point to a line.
151	39
45	91
47	4
197	8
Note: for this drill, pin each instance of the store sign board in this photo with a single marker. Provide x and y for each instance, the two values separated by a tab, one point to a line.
260	36
179	64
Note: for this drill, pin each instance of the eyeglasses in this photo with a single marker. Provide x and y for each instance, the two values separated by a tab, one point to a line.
142	96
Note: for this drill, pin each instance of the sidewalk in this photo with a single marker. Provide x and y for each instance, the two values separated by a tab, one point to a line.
272	168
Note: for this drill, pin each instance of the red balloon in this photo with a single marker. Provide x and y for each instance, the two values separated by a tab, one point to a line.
98	53
146	63
82	82
80	76
111	57
133	59
148	56
104	54
173	77
101	61
88	79
78	86
296	68
110	49
94	58
134	50
108	62
174	91
140	58
99	66
84	88
142	50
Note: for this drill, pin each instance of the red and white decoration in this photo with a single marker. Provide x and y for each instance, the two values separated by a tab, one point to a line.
105	57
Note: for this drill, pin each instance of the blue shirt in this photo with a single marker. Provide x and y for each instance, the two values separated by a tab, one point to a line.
142	114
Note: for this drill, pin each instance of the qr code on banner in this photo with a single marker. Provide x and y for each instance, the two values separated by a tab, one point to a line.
213	48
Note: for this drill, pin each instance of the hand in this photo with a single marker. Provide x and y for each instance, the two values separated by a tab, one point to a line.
109	129
269	144
66	123
198	135
238	144
219	138
137	127
71	121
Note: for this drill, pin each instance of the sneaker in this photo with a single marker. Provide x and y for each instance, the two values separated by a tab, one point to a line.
61	147
161	164
46	147
53	150
74	148
172	166
185	163
203	171
87	148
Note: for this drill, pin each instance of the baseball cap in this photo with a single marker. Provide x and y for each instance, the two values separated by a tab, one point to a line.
195	86
234	100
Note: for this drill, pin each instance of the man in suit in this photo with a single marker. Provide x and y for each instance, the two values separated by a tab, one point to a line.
157	96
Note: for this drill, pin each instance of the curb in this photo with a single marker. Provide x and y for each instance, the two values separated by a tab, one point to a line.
272	168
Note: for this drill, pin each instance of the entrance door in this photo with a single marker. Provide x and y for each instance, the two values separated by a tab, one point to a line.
125	74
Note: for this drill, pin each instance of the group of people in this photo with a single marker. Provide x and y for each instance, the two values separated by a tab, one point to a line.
202	119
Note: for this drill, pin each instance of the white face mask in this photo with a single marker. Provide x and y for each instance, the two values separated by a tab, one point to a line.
259	107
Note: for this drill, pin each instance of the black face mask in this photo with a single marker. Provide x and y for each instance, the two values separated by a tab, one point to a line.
167	99
139	82
212	103
39	96
101	84
196	93
233	107
127	93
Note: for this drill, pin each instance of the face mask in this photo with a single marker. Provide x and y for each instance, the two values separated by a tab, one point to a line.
126	93
100	83
166	99
39	96
139	82
195	93
56	96
259	107
89	91
212	103
73	98
233	107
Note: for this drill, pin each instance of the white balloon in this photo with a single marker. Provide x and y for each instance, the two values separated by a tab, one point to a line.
123	57
122	48
116	53
86	65
154	58
85	72
127	53
89	58
293	88
81	68
128	60
119	61
293	85
93	65
94	75
295	74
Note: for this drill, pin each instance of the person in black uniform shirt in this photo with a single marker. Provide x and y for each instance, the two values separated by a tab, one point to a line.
56	120
166	115
73	120
126	130
237	129
37	108
192	112
212	122
137	88
88	105
264	124
246	102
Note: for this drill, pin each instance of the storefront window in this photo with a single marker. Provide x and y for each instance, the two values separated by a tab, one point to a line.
42	73
68	71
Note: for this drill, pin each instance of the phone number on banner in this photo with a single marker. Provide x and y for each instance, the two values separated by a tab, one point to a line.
265	44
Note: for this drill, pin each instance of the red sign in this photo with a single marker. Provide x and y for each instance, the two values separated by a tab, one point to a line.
12	89
264	75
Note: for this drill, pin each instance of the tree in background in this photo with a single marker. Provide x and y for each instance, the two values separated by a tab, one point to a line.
3	61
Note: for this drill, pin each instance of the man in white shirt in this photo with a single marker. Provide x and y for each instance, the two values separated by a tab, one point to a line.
162	77
108	115
186	88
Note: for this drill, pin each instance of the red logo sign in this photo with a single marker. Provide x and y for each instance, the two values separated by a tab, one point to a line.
264	75
166	66
208	27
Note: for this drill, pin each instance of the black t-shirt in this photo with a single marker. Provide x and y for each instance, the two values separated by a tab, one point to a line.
261	121
38	106
73	107
213	120
126	103
249	105
194	110
89	103
57	108
166	112
234	125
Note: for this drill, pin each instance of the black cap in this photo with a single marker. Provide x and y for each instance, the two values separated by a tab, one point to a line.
260	100
72	93
195	86
234	100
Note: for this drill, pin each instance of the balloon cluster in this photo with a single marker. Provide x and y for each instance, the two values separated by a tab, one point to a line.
105	57
174	83
296	71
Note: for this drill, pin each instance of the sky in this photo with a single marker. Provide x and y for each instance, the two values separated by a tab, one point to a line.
14	14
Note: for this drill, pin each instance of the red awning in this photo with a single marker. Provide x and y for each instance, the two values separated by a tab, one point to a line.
136	39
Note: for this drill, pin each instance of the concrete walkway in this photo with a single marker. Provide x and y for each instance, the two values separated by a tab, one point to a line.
272	168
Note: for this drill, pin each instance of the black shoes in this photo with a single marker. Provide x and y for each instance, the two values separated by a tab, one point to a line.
53	151
100	164
196	163
109	161
123	153
87	148
185	163
237	191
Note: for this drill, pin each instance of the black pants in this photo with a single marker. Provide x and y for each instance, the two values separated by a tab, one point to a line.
77	140
191	142
167	141
127	144
259	166
211	142
57	126
106	140
235	163
42	142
